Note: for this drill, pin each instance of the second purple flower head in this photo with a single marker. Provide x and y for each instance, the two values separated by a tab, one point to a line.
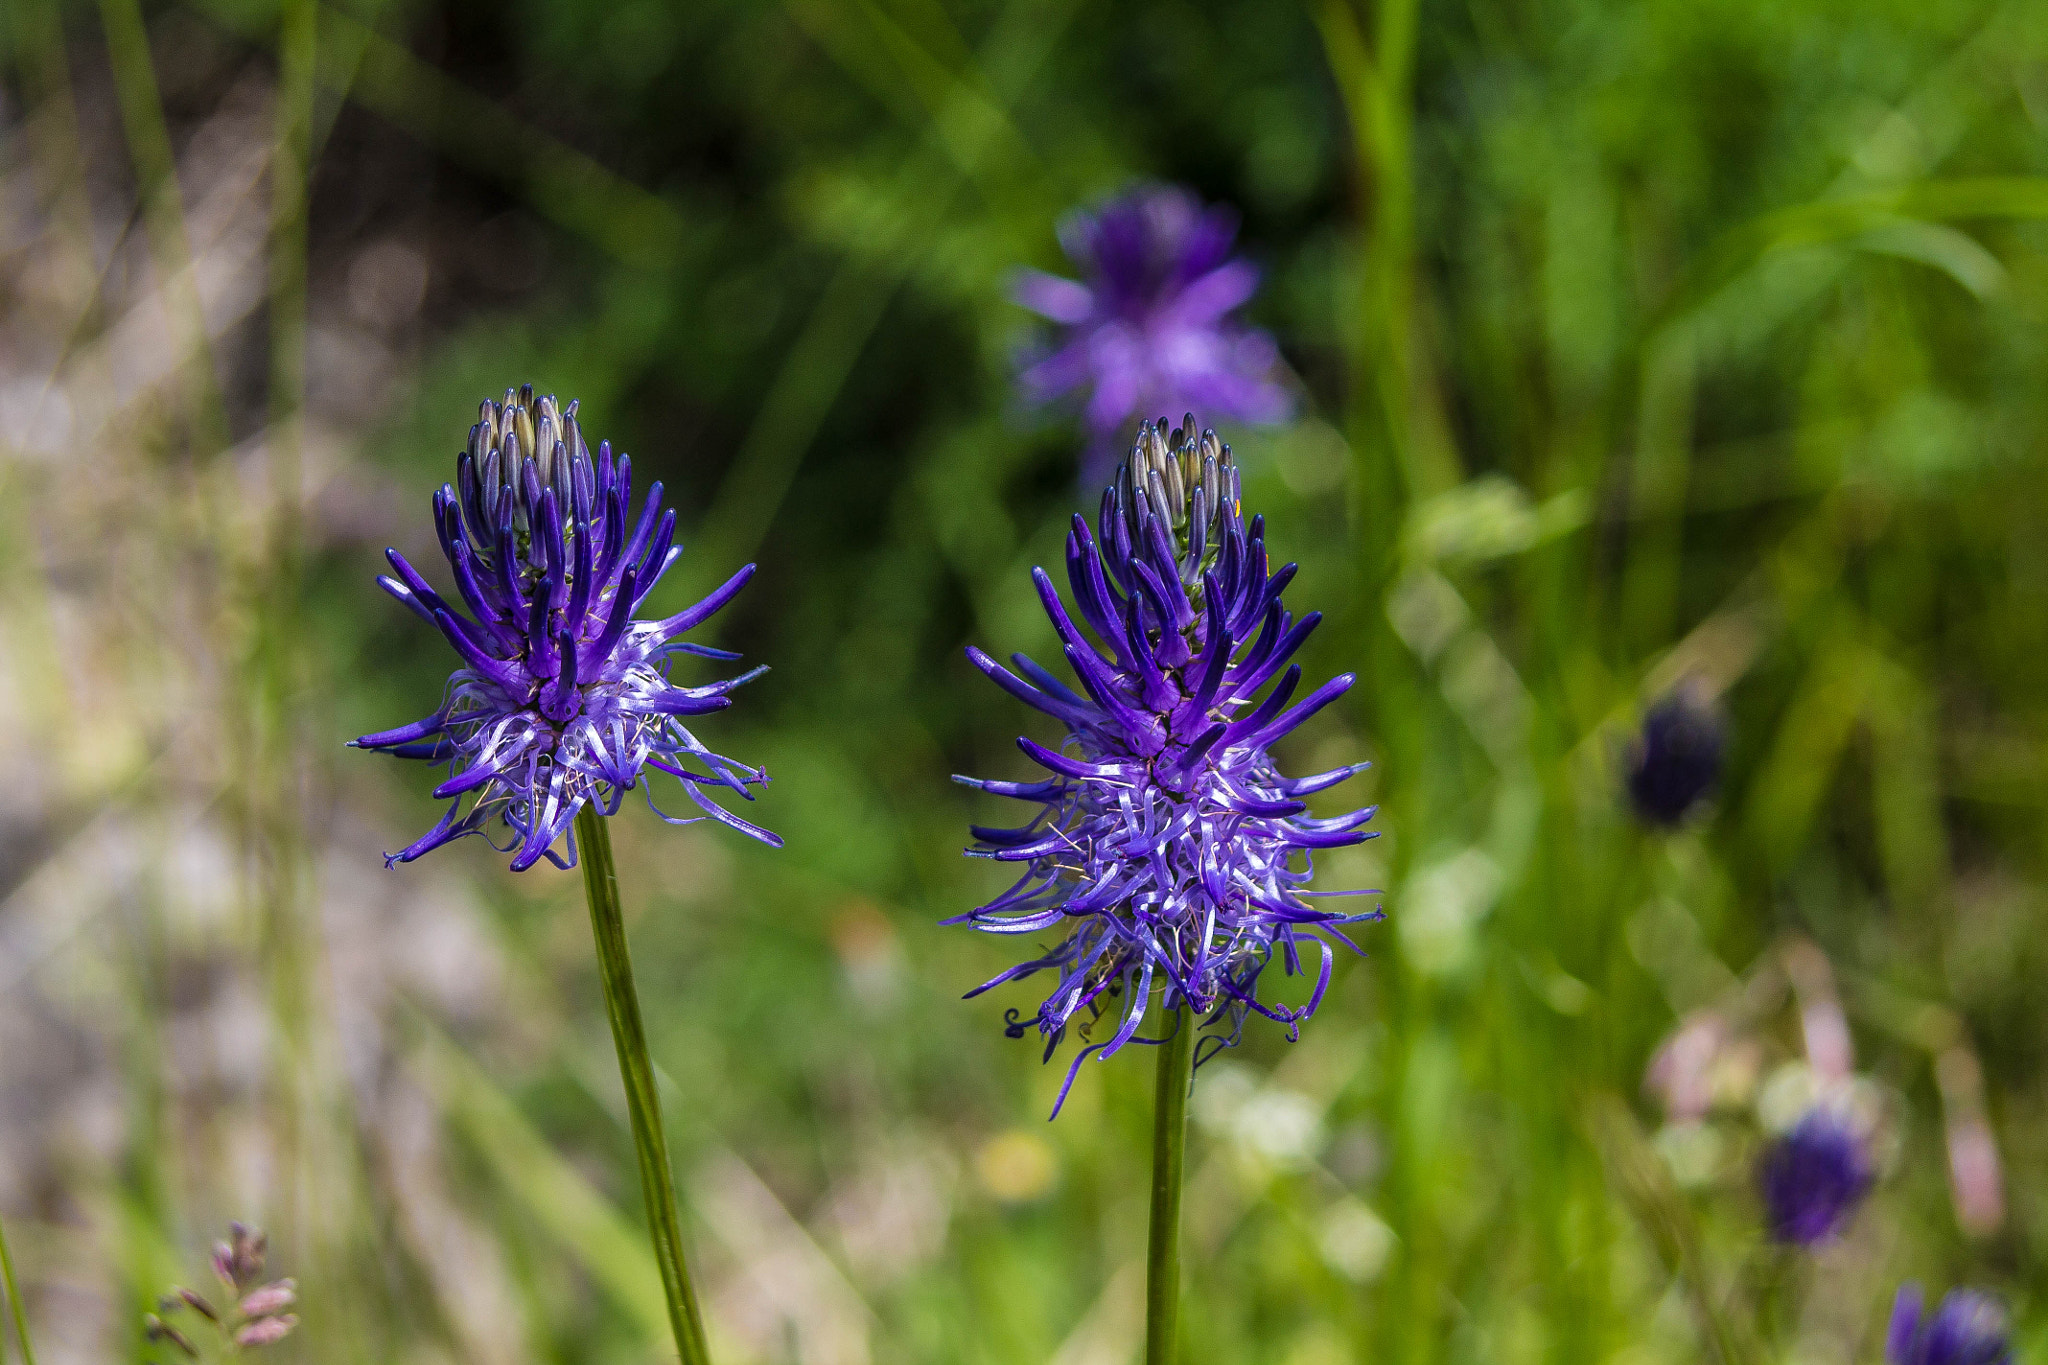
1169	852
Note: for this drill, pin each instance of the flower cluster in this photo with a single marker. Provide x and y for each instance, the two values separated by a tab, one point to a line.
1168	849
1813	1177
258	1313
1967	1329
1150	329
564	696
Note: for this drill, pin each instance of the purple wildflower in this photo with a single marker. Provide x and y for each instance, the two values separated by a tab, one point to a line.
1169	845
1968	1329
1813	1178
563	697
1150	329
1676	760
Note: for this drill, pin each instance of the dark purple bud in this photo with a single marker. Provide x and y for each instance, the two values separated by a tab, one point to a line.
1675	762
274	1297
156	1329
1813	1177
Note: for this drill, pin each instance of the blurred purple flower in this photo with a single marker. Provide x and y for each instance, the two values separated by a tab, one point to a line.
1676	760
1968	1328
563	696
1813	1177
1169	847
1149	329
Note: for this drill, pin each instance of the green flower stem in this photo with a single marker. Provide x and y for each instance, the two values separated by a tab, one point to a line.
1169	1156
657	1185
28	1352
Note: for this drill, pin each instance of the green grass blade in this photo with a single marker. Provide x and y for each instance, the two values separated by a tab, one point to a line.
28	1351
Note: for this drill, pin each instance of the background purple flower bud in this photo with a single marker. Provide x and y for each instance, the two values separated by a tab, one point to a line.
1169	851
1969	1328
1813	1177
1149	327
1675	761
191	1300
563	695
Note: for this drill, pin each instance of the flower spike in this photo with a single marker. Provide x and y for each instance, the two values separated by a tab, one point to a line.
1168	849
563	697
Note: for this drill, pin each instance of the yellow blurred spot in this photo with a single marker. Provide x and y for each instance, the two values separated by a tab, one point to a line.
1016	1167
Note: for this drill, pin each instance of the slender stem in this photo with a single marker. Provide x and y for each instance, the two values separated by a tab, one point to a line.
28	1352
636	1069
1169	1155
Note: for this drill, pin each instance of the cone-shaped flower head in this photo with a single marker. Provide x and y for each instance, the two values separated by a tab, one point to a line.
1149	328
1676	760
562	696
1968	1328
1813	1177
1169	852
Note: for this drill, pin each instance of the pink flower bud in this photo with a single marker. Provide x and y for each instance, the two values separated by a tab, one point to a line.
263	1331
274	1297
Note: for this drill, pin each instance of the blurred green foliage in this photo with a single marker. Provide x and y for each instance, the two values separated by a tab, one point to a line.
1639	341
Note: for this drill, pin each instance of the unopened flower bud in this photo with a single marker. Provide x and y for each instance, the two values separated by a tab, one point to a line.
181	1295
274	1297
239	1260
156	1329
264	1331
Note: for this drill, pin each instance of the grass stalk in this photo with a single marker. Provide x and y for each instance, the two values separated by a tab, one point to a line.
163	210
1169	1158
14	1307
636	1069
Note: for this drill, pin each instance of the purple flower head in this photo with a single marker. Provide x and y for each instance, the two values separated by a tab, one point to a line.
1676	760
1169	850
562	696
1149	329
1968	1329
1813	1177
